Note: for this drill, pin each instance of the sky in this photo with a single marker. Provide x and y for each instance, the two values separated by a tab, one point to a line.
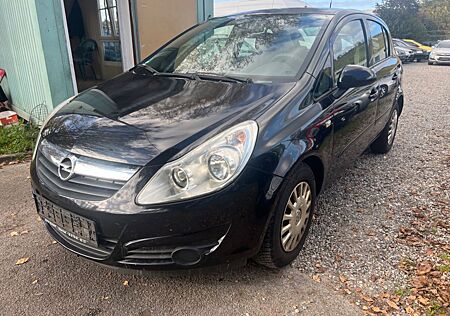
344	4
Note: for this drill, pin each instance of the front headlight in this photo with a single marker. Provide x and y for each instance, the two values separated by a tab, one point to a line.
432	54
205	169
55	110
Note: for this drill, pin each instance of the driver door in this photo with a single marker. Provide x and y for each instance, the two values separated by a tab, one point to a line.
355	109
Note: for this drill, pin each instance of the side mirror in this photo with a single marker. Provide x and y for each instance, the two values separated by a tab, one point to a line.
433	46
353	76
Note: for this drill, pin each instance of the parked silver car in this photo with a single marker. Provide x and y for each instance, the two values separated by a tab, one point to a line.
440	53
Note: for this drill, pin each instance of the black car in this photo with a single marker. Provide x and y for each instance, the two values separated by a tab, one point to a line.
404	54
419	54
215	148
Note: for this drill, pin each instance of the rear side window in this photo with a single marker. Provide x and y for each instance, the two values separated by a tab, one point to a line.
379	42
350	47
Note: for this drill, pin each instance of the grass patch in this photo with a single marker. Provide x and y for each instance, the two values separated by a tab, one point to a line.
435	309
444	268
445	256
402	292
17	139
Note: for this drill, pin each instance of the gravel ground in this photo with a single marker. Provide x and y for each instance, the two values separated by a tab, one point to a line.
360	218
388	213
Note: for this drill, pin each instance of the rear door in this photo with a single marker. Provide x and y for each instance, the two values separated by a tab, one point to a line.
386	66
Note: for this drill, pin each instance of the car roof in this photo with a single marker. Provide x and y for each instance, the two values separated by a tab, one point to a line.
297	10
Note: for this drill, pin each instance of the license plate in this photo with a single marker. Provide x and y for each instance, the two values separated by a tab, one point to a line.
73	226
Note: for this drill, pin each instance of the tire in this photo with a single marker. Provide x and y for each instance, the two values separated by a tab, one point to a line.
385	140
273	253
430	63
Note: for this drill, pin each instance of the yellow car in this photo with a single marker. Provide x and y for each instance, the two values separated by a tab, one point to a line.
417	44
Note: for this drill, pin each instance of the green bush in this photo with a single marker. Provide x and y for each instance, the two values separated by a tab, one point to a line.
17	139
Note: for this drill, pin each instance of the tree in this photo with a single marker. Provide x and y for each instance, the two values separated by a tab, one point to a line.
436	17
402	17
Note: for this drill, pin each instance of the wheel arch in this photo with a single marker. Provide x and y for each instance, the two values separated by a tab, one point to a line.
318	169
400	103
297	154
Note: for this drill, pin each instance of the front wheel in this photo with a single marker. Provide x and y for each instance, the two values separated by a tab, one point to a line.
385	140
291	219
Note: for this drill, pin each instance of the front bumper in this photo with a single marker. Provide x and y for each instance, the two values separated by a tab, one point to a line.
216	229
440	59
421	56
406	57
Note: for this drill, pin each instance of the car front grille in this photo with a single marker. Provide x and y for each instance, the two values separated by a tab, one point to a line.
92	179
158	255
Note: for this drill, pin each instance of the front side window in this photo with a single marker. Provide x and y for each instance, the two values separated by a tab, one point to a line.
349	47
261	47
379	42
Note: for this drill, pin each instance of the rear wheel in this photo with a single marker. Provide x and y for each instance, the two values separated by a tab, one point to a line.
385	140
290	221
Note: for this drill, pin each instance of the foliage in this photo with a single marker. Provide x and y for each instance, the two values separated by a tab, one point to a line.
438	12
402	18
424	20
17	139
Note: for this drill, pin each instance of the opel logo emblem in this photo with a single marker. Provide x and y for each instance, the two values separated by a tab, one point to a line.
66	168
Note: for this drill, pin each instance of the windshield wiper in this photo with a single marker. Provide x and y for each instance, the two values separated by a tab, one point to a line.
191	76
150	69
222	77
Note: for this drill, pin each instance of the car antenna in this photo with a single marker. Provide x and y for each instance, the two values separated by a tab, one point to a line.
331	3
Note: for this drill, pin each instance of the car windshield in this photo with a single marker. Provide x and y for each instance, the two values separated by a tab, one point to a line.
259	47
400	43
445	44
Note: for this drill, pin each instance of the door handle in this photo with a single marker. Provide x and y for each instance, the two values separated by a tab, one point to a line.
395	76
374	94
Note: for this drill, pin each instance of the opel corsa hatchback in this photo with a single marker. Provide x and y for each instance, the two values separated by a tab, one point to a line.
215	148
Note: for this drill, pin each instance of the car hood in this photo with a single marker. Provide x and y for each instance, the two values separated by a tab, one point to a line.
137	116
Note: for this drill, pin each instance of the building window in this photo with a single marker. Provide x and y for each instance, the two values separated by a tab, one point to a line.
109	30
111	51
109	21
